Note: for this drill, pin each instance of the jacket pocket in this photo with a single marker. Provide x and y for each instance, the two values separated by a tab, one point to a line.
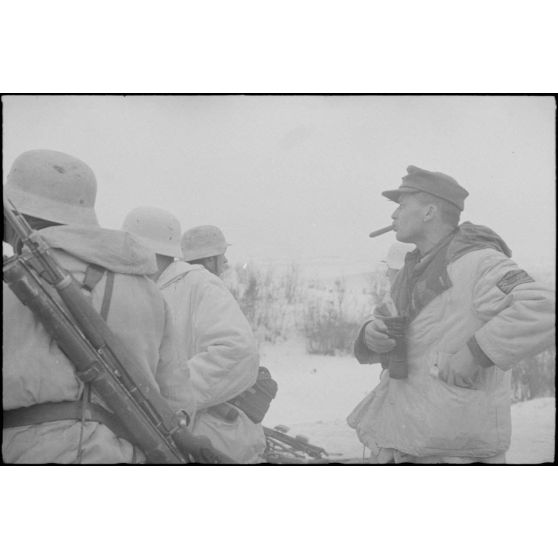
438	361
459	420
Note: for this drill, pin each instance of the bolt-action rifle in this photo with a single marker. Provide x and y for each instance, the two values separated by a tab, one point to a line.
282	448
99	356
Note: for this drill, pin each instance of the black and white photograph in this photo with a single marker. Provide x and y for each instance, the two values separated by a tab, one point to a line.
279	279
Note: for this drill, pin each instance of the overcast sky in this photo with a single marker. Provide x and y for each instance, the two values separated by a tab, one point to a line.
299	178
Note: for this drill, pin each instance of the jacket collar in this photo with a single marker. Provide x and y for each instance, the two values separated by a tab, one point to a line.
424	278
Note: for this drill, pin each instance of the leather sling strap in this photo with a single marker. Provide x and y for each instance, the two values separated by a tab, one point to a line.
93	274
108	295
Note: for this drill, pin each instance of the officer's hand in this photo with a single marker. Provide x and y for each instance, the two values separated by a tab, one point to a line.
376	338
461	369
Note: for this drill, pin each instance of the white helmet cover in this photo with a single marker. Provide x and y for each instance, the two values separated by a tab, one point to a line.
157	228
203	242
53	186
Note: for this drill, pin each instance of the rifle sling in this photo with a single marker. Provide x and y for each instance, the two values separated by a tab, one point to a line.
93	274
66	410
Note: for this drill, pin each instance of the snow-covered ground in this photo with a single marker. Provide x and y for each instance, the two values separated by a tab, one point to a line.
316	393
533	429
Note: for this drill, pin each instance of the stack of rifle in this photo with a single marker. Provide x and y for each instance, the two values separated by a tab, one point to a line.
284	449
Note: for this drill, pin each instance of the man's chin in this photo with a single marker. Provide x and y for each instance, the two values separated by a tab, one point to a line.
403	238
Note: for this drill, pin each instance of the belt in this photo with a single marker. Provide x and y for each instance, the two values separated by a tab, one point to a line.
66	410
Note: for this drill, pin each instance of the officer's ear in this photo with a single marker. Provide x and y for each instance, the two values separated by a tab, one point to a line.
430	212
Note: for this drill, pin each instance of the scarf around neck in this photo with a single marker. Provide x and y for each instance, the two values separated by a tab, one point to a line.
424	278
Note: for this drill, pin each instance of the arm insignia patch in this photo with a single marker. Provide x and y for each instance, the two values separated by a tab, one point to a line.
513	278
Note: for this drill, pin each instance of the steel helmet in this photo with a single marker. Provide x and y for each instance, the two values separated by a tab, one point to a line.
157	228
53	186
395	258
203	242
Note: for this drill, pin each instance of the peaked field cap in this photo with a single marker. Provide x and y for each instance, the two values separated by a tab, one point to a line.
435	183
203	242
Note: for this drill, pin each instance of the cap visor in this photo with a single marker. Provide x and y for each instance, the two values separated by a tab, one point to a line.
394	195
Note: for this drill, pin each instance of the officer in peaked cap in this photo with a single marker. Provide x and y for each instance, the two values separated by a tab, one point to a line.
471	314
436	184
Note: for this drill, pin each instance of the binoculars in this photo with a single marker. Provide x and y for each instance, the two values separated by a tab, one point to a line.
397	358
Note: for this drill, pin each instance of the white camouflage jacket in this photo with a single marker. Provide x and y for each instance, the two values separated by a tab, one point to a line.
504	316
219	353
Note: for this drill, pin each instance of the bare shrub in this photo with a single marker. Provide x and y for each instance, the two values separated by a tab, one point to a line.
326	330
331	320
267	299
378	287
535	376
290	283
